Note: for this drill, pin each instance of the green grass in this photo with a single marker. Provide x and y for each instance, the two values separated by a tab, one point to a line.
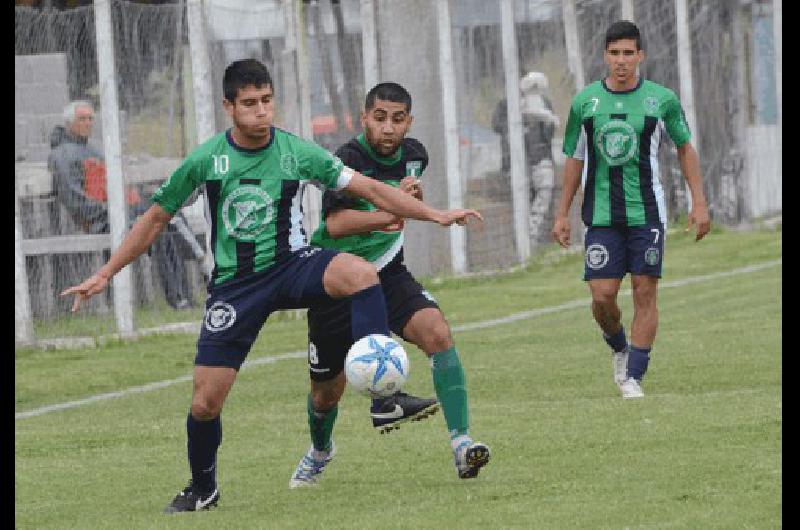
702	450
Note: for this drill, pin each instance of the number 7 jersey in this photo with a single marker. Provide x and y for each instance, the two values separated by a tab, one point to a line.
617	135
254	197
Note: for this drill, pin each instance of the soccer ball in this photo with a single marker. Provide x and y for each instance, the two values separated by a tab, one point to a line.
376	365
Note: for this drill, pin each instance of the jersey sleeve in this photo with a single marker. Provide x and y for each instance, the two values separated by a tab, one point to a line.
574	137
675	121
323	168
336	200
179	186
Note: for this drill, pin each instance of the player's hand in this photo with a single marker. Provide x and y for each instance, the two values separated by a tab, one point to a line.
561	231
411	185
93	285
700	219
394	223
458	216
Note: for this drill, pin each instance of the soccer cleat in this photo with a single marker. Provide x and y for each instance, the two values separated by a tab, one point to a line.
189	501
470	457
389	412
619	359
631	389
310	468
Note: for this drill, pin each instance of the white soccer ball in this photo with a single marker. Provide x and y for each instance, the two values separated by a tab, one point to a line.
376	365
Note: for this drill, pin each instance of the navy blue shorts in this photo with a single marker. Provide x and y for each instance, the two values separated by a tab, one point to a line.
237	309
611	252
329	331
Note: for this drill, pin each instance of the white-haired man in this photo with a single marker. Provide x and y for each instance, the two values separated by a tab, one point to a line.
79	182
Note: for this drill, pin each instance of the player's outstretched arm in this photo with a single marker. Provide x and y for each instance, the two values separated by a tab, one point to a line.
144	231
690	166
402	204
572	179
346	222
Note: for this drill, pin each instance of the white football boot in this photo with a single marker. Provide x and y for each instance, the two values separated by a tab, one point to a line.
619	360
631	389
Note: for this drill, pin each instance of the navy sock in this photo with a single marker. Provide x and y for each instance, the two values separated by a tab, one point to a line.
368	313
616	341
637	362
204	437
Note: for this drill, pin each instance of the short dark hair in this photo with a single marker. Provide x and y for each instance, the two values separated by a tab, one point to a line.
240	74
388	92
623	29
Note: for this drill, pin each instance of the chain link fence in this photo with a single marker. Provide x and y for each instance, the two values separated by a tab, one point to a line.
465	62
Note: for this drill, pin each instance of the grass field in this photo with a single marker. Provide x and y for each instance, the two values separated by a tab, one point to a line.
701	450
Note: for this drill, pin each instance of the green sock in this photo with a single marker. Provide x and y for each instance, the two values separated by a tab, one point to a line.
451	390
321	426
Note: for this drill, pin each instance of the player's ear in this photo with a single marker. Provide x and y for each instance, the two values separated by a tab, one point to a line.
228	106
363	119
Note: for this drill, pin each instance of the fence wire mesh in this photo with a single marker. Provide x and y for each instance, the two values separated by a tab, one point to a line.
319	81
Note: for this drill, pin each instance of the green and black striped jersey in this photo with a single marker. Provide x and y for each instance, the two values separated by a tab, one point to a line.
254	197
378	247
617	135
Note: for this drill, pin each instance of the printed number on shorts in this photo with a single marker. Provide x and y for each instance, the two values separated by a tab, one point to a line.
658	233
312	354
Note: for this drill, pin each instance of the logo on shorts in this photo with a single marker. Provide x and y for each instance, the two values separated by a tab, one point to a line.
220	316
596	256
309	252
428	295
617	142
651	256
246	212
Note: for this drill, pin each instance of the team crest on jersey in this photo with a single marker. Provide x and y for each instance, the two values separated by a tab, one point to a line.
220	316
289	164
246	212
651	256
617	142
414	168
650	104
596	256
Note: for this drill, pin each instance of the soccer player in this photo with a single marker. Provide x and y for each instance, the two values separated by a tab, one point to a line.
254	176
611	141
358	226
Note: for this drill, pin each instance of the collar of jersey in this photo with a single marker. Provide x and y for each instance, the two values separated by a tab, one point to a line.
385	160
637	87
251	151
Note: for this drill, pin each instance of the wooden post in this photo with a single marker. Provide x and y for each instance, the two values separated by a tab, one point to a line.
203	94
369	44
23	317
626	7
458	235
117	211
572	43
519	176
685	76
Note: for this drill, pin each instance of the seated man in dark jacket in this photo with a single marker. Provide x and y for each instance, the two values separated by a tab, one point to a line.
79	181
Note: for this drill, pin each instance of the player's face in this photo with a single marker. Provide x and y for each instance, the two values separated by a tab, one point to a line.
385	125
82	124
252	112
623	60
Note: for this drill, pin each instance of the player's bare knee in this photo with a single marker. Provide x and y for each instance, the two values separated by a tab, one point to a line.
349	274
438	339
205	409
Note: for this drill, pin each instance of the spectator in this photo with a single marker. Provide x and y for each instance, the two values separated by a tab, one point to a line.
538	123
79	181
